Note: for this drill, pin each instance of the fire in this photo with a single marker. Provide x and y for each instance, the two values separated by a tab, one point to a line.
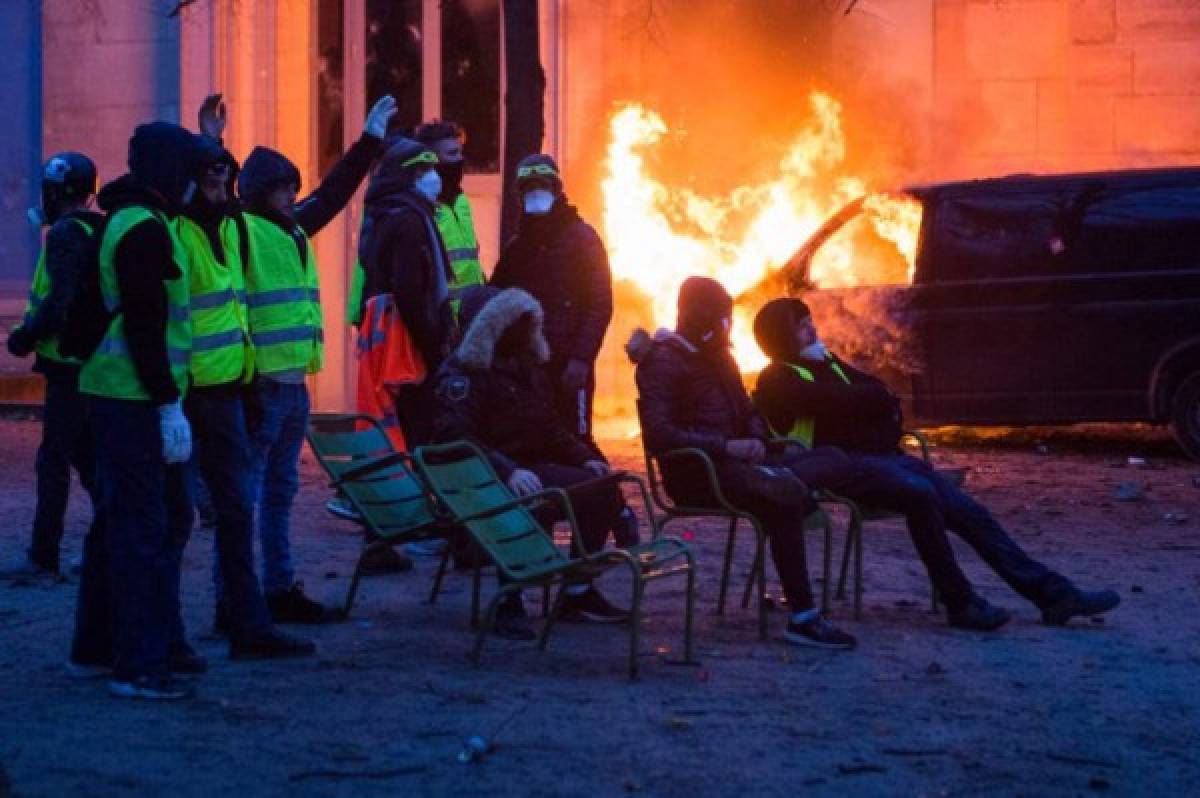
658	235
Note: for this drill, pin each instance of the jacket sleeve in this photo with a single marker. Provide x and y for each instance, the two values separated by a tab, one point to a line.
68	248
659	378
143	261
459	402
594	305
502	275
783	396
338	187
403	250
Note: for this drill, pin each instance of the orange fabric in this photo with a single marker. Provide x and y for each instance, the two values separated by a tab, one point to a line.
387	359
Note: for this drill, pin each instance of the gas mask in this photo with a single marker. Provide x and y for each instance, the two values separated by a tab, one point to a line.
429	185
538	202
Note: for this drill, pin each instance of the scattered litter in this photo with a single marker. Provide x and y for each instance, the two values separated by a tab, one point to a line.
331	574
366	624
1042	449
1099	783
935	669
688	535
1137	589
629	785
1076	759
1196	482
361	774
474	749
1137	462
703	675
678	723
914	751
1130	492
1176	518
855	768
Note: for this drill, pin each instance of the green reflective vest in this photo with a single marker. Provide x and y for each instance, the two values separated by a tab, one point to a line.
109	372
283	296
221	349
804	427
38	293
457	227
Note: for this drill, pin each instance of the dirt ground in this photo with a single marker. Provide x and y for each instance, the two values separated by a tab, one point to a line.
918	709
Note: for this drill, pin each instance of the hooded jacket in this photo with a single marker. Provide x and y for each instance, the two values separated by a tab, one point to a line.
403	255
560	260
503	401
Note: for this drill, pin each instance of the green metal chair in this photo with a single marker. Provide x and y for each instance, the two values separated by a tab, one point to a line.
468	488
395	506
723	509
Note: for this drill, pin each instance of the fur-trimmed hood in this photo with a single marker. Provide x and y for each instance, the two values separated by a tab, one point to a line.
485	326
640	343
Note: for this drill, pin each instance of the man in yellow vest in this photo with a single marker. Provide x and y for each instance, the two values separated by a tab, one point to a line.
135	382
68	184
221	368
286	328
452	211
810	394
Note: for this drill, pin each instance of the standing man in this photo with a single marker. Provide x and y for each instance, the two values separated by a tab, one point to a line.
283	298
135	382
452	211
68	184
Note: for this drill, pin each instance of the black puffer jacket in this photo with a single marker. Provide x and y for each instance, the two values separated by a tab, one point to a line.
503	404
560	260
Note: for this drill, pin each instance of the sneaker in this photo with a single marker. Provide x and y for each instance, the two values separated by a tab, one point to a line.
87	670
385	561
24	567
591	607
819	633
434	547
151	688
292	606
625	530
185	659
340	508
978	615
1079	602
271	644
511	621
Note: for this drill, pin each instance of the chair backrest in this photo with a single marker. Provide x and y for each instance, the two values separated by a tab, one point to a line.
392	500
464	481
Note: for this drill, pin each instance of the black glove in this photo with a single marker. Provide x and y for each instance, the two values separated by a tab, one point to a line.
20	342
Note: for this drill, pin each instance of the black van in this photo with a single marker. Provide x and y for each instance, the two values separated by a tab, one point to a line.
1050	300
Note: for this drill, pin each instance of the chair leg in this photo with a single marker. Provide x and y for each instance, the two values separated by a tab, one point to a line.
476	578
555	612
759	554
762	582
689	653
858	573
356	578
850	533
934	599
826	565
726	566
635	620
487	624
439	576
545	600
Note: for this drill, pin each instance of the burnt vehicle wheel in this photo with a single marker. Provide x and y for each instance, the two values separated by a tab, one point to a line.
1185	415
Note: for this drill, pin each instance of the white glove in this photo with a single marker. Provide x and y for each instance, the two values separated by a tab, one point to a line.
176	433
381	112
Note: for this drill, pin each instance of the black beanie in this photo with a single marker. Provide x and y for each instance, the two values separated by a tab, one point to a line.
773	327
165	157
538	168
703	302
264	170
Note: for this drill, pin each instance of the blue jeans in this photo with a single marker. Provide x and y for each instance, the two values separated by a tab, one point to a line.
931	505
276	441
222	456
66	442
146	512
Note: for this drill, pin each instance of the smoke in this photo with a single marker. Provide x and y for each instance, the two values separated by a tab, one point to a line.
869	327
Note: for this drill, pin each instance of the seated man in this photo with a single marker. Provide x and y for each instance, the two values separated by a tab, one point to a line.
493	392
692	396
810	394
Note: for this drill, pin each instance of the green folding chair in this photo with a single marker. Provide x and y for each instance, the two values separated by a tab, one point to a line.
722	509
395	506
504	526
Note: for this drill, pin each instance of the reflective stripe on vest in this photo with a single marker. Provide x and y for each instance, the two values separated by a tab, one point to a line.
221	351
110	372
284	301
804	428
457	226
39	291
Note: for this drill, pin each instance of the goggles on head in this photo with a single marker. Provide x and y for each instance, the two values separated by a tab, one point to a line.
536	170
427	156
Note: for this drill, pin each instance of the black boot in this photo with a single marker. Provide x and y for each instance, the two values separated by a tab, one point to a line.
1079	602
978	615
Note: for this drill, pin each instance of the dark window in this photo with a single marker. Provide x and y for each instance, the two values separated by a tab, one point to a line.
995	237
394	57
330	86
471	77
1147	229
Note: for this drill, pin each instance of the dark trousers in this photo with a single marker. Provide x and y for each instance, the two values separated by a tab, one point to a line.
931	504
146	512
65	443
222	455
596	508
574	407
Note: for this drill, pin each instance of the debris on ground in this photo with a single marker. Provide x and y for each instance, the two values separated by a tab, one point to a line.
1130	492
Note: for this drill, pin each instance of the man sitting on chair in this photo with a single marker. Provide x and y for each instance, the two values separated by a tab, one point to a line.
810	394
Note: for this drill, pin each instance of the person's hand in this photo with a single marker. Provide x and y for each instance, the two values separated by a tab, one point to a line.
574	376
20	342
211	116
523	482
597	467
752	450
379	116
176	433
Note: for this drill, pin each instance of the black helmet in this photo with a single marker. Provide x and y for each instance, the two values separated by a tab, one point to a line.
66	176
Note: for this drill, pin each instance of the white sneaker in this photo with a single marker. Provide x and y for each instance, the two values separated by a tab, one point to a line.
79	670
151	688
433	547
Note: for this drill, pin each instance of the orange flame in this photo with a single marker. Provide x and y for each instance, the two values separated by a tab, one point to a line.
658	235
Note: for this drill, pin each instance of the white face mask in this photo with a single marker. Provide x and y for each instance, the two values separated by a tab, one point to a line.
429	185
815	351
538	202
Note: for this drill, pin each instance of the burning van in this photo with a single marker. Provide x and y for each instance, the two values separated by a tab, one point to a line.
1031	300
